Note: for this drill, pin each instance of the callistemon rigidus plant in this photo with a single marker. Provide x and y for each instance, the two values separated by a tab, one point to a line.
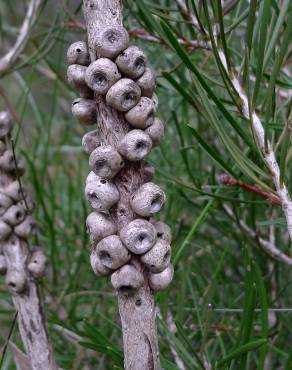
22	266
116	86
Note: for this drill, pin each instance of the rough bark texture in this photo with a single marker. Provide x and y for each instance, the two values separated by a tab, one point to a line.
32	324
137	310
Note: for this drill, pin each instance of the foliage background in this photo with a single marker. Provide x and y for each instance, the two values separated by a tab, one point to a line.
224	283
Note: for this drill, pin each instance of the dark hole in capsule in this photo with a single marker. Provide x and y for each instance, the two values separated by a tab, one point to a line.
129	96
13	285
139	63
17	214
140	145
141	238
166	256
138	302
105	256
159	235
112	38
125	289
103	181
78	50
122	163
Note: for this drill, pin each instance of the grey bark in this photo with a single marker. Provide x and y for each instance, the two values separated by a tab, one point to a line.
137	309
31	321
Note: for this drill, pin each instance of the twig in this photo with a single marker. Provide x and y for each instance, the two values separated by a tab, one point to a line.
4	350
270	197
269	248
10	58
144	35
173	329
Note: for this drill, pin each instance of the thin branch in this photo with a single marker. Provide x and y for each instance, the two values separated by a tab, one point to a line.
144	35
7	61
266	246
270	197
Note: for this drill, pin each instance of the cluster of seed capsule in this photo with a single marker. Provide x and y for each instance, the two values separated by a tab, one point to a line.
121	74
16	222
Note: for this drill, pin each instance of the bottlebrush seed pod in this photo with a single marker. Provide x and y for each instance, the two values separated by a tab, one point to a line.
3	265
5	124
90	141
111	41
132	62
135	145
161	280
2	147
5	231
101	75
5	203
112	253
147	82
14	215
147	200
92	177
28	205
138	236
106	162
163	230
76	78
99	226
13	191
158	258
7	163
127	279
16	281
101	194
142	115
98	268
78	53
37	263
123	95
85	111
26	228
156	131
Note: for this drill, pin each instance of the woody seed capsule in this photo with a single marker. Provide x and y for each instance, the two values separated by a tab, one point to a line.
37	263
78	53
132	62
135	145
123	95
106	162
158	258
142	115
26	228
127	279
90	141
101	75
98	268
5	124
156	131
5	203
147	82
85	111
147	200
101	194
163	230
138	236
5	230
111	41
112	253
16	281
14	215
76	78
99	226
161	280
